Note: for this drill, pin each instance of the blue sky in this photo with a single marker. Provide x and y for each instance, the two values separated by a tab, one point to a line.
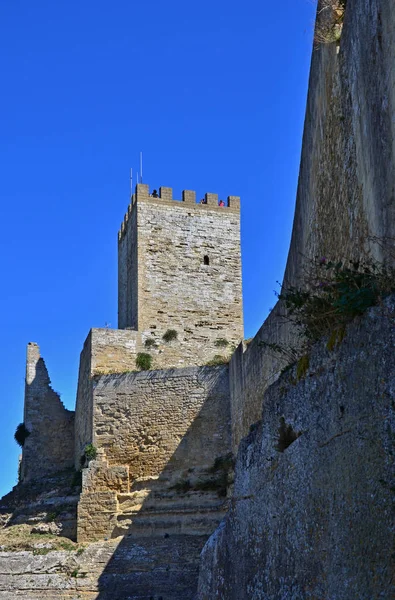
213	93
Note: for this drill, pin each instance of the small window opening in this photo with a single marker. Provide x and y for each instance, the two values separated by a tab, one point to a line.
206	260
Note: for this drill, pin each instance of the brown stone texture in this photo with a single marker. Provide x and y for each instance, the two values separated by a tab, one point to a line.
165	283
158	433
50	445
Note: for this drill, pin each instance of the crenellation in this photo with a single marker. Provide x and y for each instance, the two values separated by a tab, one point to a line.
189	196
234	202
142	191
181	270
211	199
166	193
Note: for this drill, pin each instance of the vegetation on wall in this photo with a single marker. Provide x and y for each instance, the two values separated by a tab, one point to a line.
170	335
150	343
90	452
221	343
21	434
332	295
217	360
143	361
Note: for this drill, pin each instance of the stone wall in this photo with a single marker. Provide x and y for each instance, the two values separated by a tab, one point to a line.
311	514
50	446
156	432
84	407
345	206
164	246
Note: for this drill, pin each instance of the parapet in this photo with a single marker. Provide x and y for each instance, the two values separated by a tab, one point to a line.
164	196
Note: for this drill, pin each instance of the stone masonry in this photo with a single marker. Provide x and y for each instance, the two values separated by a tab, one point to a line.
50	445
156	432
180	268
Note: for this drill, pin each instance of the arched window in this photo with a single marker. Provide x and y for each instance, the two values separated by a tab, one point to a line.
206	260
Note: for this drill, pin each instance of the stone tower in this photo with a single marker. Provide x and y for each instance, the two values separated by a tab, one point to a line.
179	268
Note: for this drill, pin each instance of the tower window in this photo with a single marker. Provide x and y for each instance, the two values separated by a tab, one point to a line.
206	260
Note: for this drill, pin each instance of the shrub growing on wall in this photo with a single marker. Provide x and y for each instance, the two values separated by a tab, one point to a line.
171	334
150	343
90	452
21	434
144	361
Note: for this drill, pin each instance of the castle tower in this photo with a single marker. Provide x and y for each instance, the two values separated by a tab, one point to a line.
179	268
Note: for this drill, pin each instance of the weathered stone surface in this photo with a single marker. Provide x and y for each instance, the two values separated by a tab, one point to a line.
345	206
50	446
180	269
315	519
47	503
159	434
132	568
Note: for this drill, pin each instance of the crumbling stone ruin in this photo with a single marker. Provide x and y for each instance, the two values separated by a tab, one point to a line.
208	470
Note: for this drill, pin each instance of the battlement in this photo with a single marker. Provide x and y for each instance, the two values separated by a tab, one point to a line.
164	196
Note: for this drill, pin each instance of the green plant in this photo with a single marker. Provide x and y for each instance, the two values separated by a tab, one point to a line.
21	434
332	294
217	360
51	516
74	573
68	546
90	452
170	335
150	343
144	361
335	293
221	343
41	551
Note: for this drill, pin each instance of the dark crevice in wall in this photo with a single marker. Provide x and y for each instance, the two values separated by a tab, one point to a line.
287	436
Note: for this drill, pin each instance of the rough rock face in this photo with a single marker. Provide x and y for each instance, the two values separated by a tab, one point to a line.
132	569
312	516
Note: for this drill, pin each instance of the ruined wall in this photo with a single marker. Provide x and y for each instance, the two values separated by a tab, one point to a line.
50	446
162	246
311	515
345	205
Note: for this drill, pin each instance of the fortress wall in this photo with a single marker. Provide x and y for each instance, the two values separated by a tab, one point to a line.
84	409
114	350
50	446
158	435
311	514
346	189
127	271
151	419
176	289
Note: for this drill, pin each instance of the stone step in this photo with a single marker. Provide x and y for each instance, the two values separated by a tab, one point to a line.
177	522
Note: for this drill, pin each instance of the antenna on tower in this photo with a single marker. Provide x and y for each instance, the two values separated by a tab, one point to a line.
141	167
131	182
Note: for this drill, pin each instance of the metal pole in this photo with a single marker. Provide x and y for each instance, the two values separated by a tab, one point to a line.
131	182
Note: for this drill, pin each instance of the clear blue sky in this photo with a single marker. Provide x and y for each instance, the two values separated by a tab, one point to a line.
214	94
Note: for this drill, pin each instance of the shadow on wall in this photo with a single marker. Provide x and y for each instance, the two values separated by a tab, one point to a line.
166	518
